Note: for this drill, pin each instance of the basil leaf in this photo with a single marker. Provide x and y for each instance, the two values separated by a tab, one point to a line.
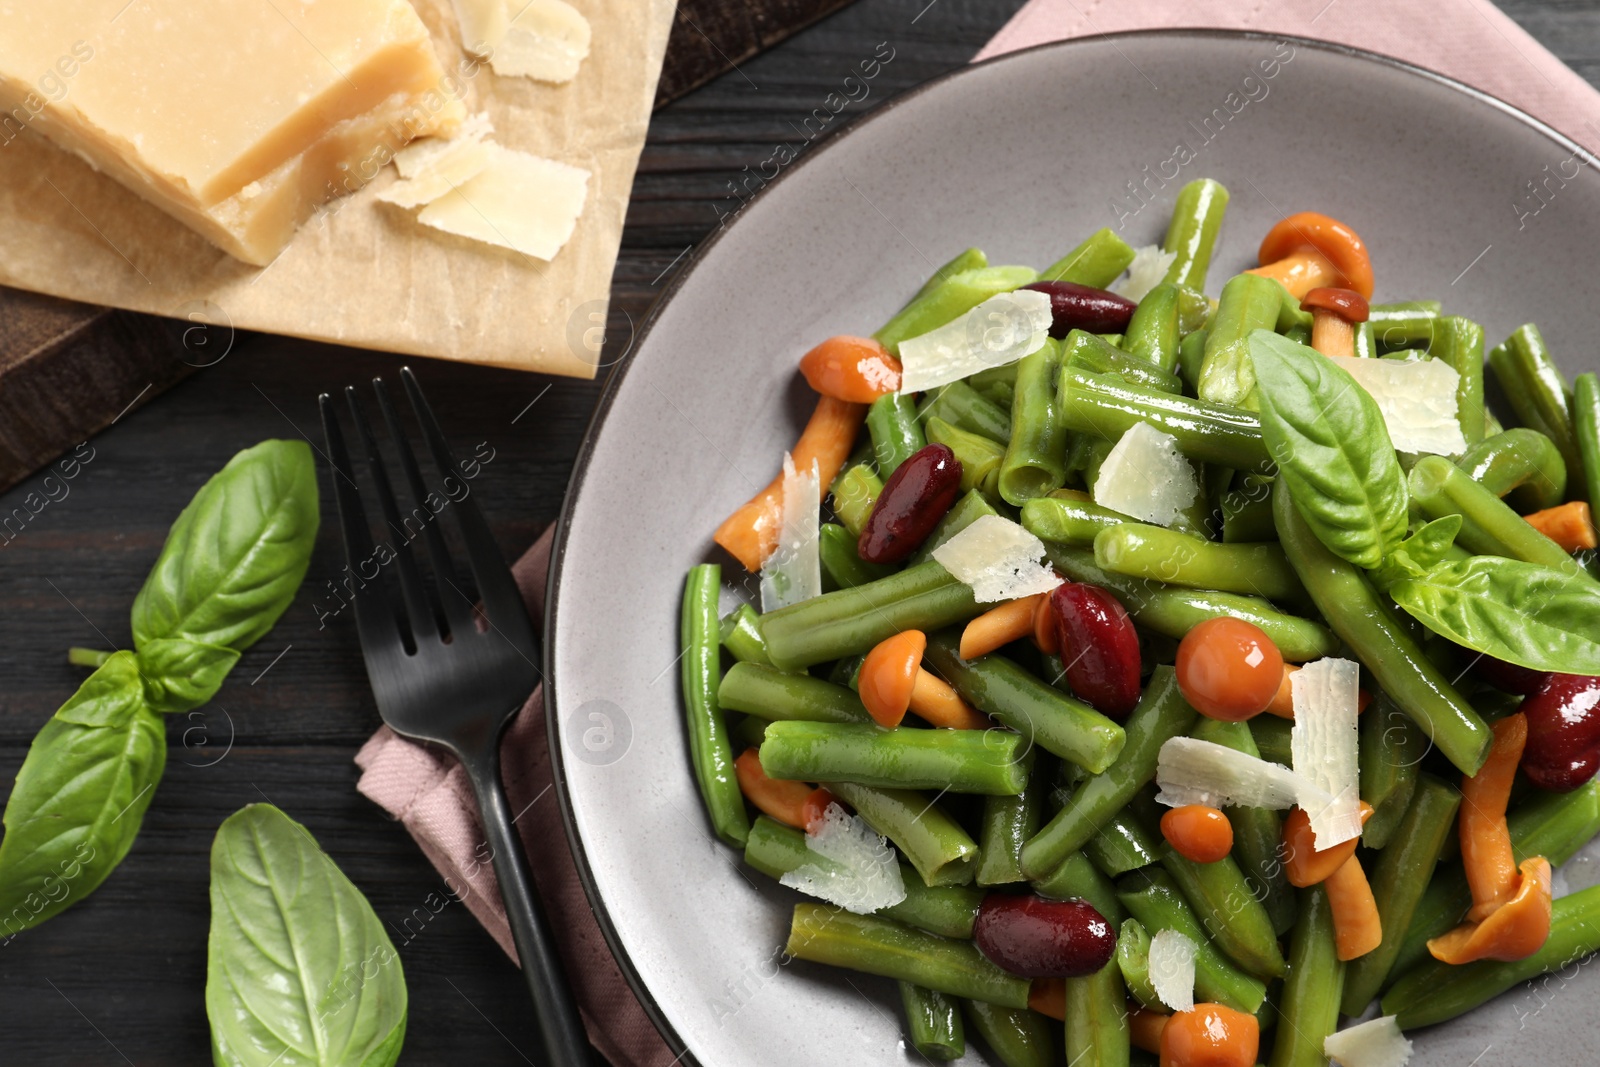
1534	616
300	970
1413	557
236	555
180	674
1332	448
80	796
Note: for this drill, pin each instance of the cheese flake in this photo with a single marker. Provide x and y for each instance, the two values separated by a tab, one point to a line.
1148	270
1417	399
546	40
998	559
482	23
419	155
858	870
520	202
794	570
444	172
1146	477
1172	969
1190	771
1322	745
1377	1043
1001	330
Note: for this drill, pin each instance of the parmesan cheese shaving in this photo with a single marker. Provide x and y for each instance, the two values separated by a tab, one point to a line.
1146	477
1172	969
1190	771
546	40
998	559
519	202
482	23
1148	270
1378	1043
861	875
444	171
1417	399
794	570
418	156
999	331
1322	745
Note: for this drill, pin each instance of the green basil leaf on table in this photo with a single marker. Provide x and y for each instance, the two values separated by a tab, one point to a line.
180	674
300	970
1536	617
1332	448
80	796
1417	554
235	557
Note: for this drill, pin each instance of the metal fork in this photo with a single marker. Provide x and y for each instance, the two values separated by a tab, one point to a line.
447	673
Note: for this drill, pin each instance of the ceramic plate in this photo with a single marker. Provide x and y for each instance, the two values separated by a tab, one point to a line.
1021	156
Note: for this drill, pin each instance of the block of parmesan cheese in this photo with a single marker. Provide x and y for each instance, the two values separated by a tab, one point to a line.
237	117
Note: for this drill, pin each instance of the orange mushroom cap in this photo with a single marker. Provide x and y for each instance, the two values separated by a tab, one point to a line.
1303	863
889	673
1311	230
1348	304
1514	931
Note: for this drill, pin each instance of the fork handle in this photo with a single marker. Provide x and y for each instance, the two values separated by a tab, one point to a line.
560	1031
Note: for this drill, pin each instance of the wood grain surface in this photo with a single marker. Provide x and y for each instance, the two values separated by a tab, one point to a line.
119	979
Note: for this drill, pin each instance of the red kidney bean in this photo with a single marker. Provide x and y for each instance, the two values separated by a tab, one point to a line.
1099	647
1563	749
1040	938
913	501
1078	307
1507	677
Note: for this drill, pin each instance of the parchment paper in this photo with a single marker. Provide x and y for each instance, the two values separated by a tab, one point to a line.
363	273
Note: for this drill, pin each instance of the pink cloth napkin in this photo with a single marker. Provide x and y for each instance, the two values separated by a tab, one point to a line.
1469	40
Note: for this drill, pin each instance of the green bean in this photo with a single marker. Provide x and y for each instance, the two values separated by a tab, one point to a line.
1358	615
768	693
823	934
896	434
1077	878
1086	352
1436	992
1133	960
1489	527
741	635
935	844
980	457
1247	512
1194	310
1309	1002
1107	406
1520	461
1097	262
1161	713
1586	431
1097	1019
1459	343
1249	302
1366	342
854	492
951	298
1192	233
1257	832
1154	331
1553	825
933	1023
1398	881
1174	611
1238	922
1538	393
996	384
988	762
970	259
969	509
1017	1036
1191	358
1036	455
1008	822
961	406
749	731
1391	752
1069	520
1151	896
1271	735
841	560
851	621
709	746
1014	697
1404	323
1138	550
1122	845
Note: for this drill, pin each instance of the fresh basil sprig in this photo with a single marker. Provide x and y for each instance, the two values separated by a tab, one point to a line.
1534	616
1332	449
300	970
228	569
1417	554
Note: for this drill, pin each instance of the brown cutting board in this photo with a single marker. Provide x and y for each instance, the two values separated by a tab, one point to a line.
67	371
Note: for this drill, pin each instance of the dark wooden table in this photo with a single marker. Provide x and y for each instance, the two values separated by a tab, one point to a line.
119	979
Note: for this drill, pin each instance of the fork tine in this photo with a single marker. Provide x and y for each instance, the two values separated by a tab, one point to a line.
502	601
423	619
376	620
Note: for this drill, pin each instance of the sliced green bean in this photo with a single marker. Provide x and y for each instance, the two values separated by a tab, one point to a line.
1249	302
842	561
1087	352
1036	455
1138	550
968	259
1194	310
1008	822
1586	432
1097	1019
1069	520
741	635
1191	358
823	934
935	844
1154	332
996	384
1366	342
1363	620
896	434
1391	751
963	407
969	509
933	1022
1018	1037
1309	1002
1133	960
980	457
710	748
1097	262
1106	406
951	298
1404	323
850	621
1459	342
1523	462
853	493
1122	845
1077	878
1399	879
1237	922
987	762
1015	697
1192	233
1271	735
1161	713
1489	526
1532	382
771	694
1151	896
1247	511
1257	832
